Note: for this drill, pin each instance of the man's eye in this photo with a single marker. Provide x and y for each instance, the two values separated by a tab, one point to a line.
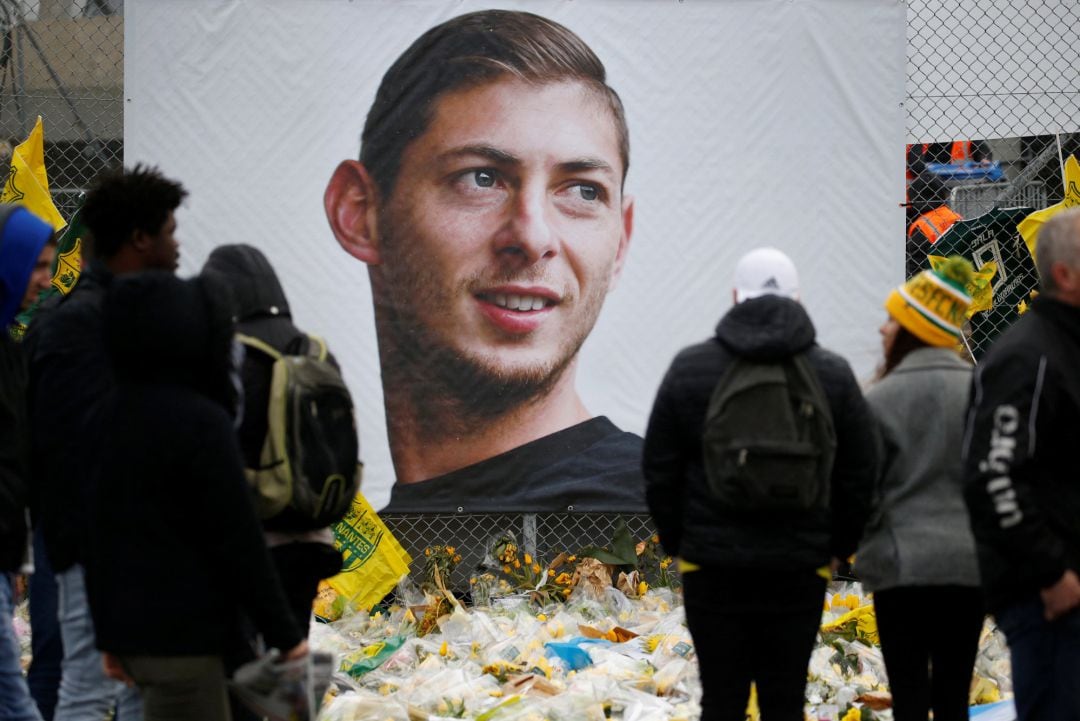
484	178
589	192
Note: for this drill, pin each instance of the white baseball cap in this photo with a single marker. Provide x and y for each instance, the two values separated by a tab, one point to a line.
765	271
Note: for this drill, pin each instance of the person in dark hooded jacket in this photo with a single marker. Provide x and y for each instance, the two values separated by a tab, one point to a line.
175	549
754	583
303	556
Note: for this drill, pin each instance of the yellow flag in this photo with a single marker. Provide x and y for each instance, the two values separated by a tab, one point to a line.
1029	226
26	181
374	560
980	288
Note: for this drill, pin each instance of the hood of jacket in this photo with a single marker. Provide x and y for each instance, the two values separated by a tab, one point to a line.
259	303
22	236
252	282
767	328
164	330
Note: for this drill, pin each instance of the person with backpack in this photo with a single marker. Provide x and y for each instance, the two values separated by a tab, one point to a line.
918	550
759	461
303	469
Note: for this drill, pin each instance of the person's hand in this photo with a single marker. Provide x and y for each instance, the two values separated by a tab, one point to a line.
1062	597
113	669
298	651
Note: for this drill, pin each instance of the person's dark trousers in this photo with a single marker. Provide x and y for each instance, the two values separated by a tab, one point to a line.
929	659
300	567
753	625
43	676
1045	661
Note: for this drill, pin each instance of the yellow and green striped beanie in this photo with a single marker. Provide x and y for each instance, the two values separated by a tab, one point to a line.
933	304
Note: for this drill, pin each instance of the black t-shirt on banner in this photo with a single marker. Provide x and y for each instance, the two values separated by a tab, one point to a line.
591	466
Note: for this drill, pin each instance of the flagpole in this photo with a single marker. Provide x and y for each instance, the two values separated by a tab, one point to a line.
963	337
1061	161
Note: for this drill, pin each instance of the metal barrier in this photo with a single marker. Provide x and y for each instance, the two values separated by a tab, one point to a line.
971	201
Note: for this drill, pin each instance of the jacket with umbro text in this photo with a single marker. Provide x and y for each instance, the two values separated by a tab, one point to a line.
1022	478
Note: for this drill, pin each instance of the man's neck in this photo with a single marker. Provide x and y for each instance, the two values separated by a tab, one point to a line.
429	441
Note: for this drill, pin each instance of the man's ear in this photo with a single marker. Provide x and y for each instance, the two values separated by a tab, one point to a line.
140	241
1065	279
624	241
351	202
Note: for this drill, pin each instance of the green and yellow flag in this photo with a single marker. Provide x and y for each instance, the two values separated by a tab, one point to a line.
68	263
26	181
980	288
1029	226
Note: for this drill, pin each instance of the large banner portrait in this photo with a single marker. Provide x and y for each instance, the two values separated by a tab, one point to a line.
505	222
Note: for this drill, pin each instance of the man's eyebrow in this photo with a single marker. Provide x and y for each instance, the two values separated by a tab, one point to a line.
586	164
495	155
498	156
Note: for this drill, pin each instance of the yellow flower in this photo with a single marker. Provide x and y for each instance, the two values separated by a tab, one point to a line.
536	568
853	714
656	538
528	560
563	578
566	592
472	581
450	550
506	569
551	572
571	559
517	563
541	617
427	551
665	563
642	588
457	558
444	649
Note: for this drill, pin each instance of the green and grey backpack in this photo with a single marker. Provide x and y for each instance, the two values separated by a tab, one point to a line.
309	458
769	440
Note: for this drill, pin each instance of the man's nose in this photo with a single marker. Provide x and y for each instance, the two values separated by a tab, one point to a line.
528	234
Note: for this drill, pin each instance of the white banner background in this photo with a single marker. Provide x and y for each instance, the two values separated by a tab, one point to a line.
753	122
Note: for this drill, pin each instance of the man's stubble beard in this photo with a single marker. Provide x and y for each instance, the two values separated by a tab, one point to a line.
450	391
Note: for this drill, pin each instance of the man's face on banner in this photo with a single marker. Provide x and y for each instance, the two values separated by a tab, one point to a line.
506	228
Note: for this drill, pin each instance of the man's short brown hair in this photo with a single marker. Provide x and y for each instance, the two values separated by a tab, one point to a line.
468	51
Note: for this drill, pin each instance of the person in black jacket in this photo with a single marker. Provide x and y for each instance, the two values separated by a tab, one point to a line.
303	556
175	548
753	604
1022	482
132	227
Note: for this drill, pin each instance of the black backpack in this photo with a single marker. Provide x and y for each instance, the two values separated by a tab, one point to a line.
769	440
308	462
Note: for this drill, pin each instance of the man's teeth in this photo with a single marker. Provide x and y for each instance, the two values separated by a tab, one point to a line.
512	301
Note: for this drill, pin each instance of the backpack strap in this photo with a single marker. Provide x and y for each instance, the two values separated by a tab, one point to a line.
253	342
317	348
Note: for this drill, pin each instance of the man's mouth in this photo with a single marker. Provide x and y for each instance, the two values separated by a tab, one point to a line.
518	302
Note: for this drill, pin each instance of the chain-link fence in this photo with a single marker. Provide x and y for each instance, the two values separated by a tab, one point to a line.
987	70
473	535
64	60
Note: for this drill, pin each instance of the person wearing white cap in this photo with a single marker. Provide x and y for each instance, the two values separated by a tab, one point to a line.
740	496
765	271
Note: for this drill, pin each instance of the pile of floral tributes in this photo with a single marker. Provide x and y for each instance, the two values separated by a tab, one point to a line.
600	634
